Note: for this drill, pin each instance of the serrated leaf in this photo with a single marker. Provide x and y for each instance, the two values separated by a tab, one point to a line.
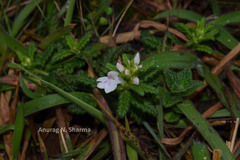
148	89
171	117
184	78
137	89
178	82
111	67
61	55
72	43
84	40
193	86
124	104
204	48
143	105
169	99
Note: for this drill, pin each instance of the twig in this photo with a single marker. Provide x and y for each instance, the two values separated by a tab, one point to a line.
234	134
115	30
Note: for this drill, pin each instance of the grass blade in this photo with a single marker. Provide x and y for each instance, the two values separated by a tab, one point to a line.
156	138
69	14
226	38
18	131
131	153
49	101
228	18
207	131
185	14
12	43
19	20
6	128
26	91
200	151
56	35
171	59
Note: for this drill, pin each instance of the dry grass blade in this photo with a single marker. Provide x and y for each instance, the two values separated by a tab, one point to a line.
159	26
234	80
97	140
63	127
13	80
219	68
217	154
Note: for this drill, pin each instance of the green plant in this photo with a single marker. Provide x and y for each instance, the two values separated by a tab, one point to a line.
180	85
199	35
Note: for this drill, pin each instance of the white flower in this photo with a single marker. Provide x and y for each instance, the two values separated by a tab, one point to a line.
136	81
110	82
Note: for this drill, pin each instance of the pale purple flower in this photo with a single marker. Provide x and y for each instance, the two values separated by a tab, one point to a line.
114	75
120	67
136	81
110	82
137	59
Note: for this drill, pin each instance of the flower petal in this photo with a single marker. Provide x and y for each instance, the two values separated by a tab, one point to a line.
120	67
112	75
127	72
101	79
136	81
110	86
137	58
101	85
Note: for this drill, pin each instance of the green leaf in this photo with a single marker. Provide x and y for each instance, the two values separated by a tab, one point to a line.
49	101
200	151
137	89
226	38
12	43
7	127
22	16
215	7
207	131
171	60
169	99
216	84
185	78
185	14
204	48
26	91
69	14
233	17
84	40
55	36
18	131
124	104
178	82
131	153
149	128
171	116
72	43
148	89
193	86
